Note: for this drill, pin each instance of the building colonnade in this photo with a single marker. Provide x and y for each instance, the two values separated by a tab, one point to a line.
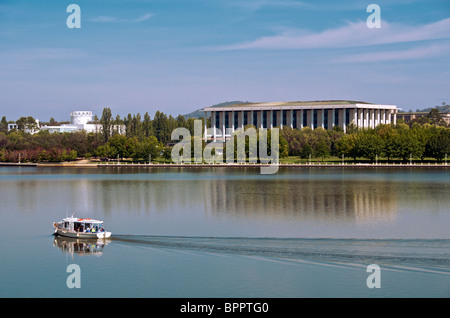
225	120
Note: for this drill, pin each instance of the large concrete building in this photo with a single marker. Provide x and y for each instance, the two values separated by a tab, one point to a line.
325	114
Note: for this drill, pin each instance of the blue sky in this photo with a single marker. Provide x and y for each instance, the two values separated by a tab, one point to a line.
176	56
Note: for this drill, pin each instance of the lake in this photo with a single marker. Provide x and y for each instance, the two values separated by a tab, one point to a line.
228	232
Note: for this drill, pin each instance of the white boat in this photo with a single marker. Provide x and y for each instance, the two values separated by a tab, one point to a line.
81	228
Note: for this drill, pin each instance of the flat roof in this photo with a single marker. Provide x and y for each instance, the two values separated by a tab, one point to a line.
81	220
300	104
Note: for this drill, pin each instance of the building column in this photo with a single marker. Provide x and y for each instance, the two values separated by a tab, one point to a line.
280	118
378	120
320	118
232	121
344	119
271	119
290	118
223	123
361	118
300	122
309	122
262	118
333	118
330	119
241	119
395	118
213	124
367	121
372	118
341	118
355	117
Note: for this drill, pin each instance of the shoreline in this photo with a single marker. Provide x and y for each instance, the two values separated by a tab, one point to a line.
226	165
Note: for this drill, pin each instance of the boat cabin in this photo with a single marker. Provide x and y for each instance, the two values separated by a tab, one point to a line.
83	225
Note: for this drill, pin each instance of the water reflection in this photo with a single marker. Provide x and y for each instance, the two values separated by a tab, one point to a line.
73	246
201	201
360	202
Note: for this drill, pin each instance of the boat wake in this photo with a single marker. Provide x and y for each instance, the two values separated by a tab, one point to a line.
422	255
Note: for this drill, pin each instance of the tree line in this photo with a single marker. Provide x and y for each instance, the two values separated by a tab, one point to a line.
142	138
424	137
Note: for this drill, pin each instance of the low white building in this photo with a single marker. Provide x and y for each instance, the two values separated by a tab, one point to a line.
33	130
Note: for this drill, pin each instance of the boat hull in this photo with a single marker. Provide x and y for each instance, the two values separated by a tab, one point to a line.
73	234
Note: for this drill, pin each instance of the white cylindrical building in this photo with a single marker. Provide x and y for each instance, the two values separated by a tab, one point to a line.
80	117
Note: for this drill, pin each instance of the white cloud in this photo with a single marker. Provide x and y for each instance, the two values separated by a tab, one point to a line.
111	19
353	34
143	18
407	54
43	53
254	5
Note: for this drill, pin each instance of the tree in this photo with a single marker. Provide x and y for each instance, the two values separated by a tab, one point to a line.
105	121
4	124
120	145
346	146
27	124
147	149
106	151
435	117
53	122
368	145
407	145
322	149
136	126
167	153
438	145
161	127
181	121
147	125
306	151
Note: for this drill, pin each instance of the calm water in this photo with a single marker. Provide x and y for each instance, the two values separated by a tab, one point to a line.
304	232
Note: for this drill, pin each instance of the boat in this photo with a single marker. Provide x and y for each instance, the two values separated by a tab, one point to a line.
81	228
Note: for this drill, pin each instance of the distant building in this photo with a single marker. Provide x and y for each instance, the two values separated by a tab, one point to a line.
81	120
446	117
315	114
12	126
15	126
408	116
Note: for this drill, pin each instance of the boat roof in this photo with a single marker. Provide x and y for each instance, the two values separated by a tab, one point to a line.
82	220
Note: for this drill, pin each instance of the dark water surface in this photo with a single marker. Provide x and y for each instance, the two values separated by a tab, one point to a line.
228	232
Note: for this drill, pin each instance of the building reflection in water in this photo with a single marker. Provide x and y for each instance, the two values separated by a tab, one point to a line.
350	201
358	202
73	246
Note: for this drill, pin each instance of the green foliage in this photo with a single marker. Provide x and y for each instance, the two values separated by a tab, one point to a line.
106	122
438	145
